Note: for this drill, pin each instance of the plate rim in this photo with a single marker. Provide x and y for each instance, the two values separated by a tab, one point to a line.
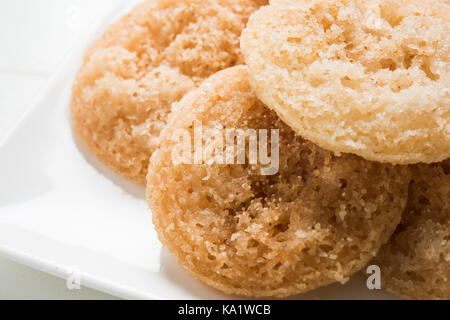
38	263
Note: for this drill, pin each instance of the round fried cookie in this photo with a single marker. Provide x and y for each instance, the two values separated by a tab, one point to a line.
415	263
358	76
143	63
318	220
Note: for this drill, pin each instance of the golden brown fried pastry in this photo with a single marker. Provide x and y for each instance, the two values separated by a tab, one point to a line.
318	220
369	77
143	63
415	263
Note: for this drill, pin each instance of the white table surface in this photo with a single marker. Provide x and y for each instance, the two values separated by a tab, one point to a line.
35	35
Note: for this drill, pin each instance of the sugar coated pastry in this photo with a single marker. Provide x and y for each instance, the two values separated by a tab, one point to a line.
316	219
142	64
369	77
415	263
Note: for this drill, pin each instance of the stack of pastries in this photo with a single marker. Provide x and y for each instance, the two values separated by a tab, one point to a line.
358	92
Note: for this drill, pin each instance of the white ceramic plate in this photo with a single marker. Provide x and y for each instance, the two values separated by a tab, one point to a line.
64	213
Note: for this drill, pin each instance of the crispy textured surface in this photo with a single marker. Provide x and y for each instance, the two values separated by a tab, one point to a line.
364	77
319	220
149	59
416	262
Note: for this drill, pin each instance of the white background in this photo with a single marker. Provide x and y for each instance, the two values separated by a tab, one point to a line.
35	35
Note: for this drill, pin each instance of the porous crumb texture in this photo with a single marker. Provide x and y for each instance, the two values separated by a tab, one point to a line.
358	76
149	59
317	221
415	263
